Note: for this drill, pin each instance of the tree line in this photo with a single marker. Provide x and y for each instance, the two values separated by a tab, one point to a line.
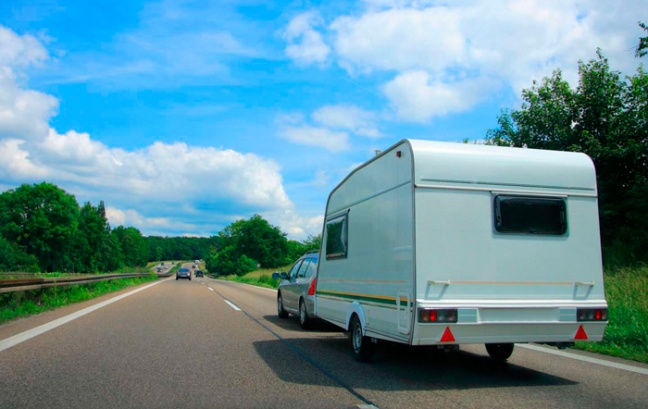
44	229
248	244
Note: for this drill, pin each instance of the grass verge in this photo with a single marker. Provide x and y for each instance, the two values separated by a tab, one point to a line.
23	303
626	335
261	278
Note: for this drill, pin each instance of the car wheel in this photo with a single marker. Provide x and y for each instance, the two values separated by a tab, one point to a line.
362	347
304	320
499	352
280	308
176	278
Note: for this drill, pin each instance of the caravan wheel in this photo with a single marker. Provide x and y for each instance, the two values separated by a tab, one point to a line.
362	346
499	352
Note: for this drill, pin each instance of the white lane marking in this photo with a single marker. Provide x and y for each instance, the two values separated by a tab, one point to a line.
210	289
34	332
232	305
601	362
366	406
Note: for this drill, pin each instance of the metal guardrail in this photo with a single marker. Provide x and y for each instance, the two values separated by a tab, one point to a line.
24	284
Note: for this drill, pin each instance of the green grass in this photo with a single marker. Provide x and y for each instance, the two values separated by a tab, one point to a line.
261	278
23	303
626	336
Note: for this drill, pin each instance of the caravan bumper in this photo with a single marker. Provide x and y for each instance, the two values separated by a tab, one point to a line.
510	325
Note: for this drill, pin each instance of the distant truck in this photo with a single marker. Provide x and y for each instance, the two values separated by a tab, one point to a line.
433	243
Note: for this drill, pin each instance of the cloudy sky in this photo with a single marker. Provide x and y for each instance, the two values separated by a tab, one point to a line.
184	116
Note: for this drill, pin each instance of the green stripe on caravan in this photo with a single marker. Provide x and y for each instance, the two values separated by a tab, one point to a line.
363	297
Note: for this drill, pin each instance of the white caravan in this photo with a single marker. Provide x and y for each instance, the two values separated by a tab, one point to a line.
433	243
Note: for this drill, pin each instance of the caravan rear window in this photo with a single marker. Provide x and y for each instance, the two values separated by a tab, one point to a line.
336	237
531	215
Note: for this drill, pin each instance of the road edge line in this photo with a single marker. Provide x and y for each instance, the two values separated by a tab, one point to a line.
34	332
583	358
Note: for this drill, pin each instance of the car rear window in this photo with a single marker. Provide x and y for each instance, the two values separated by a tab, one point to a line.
530	215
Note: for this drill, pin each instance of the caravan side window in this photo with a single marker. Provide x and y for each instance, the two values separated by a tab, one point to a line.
531	215
336	237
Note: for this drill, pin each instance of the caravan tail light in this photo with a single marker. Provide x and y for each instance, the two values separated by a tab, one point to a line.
437	315
592	314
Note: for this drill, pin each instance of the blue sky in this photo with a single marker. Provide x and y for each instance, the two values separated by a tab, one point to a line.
184	116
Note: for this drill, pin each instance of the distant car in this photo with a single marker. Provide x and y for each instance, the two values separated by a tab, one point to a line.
199	273
159	269
296	292
183	273
194	266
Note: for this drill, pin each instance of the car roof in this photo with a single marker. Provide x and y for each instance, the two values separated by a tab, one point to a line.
312	254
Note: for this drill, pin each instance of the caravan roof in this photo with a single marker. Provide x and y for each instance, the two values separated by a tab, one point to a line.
489	166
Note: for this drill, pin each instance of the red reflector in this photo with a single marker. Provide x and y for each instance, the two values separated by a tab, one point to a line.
447	336
580	334
598	315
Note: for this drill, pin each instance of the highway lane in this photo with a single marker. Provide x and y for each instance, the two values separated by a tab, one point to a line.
173	345
413	377
180	344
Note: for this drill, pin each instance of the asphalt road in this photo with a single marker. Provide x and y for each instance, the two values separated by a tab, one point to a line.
215	344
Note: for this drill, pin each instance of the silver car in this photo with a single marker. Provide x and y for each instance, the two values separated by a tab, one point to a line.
296	292
183	273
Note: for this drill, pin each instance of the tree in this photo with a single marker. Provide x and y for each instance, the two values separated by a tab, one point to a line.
258	240
605	117
643	43
133	246
92	233
111	257
229	261
12	259
42	219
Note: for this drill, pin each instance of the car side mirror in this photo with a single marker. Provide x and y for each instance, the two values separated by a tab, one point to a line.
279	275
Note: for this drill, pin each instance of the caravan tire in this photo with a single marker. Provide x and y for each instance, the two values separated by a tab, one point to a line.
500	352
361	346
280	308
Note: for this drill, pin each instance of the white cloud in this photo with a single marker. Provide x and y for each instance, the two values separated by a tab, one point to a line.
131	217
174	43
195	173
418	97
400	39
20	51
170	184
333	141
15	162
296	226
23	113
505	44
322	179
305	44
347	117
